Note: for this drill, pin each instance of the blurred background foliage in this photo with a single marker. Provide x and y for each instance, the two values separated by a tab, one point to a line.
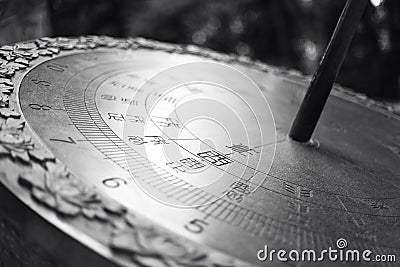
288	33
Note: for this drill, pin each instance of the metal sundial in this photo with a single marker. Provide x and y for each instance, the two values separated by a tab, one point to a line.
143	153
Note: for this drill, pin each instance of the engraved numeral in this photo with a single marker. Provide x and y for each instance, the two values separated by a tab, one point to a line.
114	182
39	107
196	226
41	82
69	140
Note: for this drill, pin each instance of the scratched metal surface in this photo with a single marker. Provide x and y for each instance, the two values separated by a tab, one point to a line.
346	187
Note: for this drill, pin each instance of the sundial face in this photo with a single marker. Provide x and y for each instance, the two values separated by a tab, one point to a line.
195	144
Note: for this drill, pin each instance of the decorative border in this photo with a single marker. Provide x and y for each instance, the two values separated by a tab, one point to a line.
58	191
129	238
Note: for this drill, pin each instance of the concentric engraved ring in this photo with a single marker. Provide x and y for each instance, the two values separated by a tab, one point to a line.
206	124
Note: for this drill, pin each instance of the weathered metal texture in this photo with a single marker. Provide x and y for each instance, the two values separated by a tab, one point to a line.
44	184
41	181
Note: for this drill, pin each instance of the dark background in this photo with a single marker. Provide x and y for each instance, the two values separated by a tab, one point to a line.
288	33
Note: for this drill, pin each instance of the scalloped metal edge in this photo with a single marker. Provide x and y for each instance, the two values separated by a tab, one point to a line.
46	179
62	197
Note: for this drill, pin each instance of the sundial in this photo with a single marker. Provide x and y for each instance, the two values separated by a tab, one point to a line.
142	153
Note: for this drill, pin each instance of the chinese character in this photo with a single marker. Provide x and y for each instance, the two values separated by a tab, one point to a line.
375	204
292	206
136	140
157	140
194	89
305	192
241	187
131	87
135	118
215	158
115	116
170	99
108	97
235	196
131	102
176	166
241	149
192	163
298	208
168	122
290	188
114	83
